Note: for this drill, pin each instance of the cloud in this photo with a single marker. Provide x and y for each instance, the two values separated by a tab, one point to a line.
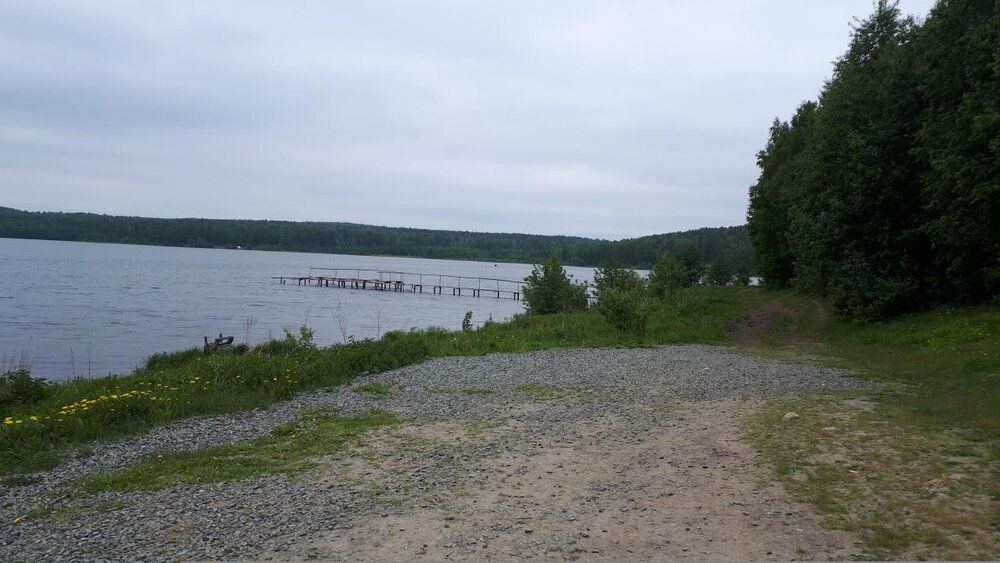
607	119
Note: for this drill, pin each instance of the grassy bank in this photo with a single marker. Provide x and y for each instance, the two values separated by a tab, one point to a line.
37	434
913	468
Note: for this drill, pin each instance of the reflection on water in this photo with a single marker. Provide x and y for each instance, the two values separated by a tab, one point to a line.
93	309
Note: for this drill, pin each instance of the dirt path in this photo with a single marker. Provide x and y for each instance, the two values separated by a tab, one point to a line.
682	487
777	324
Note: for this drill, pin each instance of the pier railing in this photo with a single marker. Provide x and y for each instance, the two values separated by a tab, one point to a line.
412	282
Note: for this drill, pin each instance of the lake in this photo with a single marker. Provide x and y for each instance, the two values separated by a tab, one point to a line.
85	309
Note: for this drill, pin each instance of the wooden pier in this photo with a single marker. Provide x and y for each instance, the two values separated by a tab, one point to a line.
408	282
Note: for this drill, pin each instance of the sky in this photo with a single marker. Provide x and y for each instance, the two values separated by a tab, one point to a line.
599	119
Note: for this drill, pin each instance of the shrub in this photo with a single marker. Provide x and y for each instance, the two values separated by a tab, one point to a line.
625	309
18	387
306	338
612	275
549	290
667	276
467	322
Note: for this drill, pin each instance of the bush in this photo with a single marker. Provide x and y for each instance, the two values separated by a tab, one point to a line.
625	309
612	275
667	276
549	290
18	387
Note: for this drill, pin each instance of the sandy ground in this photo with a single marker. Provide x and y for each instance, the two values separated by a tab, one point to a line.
684	487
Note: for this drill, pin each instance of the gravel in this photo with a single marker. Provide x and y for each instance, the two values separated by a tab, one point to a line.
248	518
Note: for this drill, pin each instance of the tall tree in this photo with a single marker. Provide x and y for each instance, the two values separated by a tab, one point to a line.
884	193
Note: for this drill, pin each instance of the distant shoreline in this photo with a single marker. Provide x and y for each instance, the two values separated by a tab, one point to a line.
709	243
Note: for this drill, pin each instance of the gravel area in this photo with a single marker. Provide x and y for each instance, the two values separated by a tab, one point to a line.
259	516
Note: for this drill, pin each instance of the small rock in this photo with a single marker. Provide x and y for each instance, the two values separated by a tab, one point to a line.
790	416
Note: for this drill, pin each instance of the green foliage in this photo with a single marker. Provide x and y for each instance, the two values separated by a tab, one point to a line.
722	271
938	399
18	387
948	358
621	298
365	240
885	194
667	276
289	449
79	411
467	321
612	275
694	268
625	309
549	290
165	360
539	390
377	389
305	339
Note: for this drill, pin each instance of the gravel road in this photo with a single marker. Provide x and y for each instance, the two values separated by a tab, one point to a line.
276	516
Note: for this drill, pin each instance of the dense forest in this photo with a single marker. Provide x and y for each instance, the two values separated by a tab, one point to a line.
884	193
727	244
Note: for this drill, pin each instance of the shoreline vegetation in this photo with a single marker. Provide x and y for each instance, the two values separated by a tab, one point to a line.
61	419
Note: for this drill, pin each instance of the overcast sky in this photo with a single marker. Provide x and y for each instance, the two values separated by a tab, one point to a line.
603	119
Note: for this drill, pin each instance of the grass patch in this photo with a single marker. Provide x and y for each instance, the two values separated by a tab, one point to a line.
539	390
381	390
476	391
66	513
291	448
913	468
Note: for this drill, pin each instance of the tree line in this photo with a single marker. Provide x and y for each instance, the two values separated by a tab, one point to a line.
729	245
884	193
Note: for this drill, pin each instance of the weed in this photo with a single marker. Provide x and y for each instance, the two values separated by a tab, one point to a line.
17	387
476	391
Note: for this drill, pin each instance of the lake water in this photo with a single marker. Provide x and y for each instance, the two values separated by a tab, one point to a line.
83	309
